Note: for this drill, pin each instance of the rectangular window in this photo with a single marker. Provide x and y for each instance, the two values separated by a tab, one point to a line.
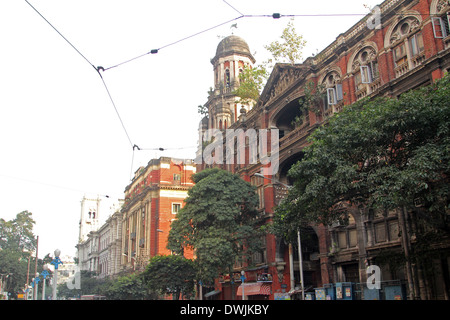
339	93
439	27
393	230
366	74
176	208
258	183
400	55
416	42
342	239
380	232
331	95
176	177
357	79
353	240
447	22
334	94
374	70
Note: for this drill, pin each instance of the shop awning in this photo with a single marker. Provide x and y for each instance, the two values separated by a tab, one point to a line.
254	288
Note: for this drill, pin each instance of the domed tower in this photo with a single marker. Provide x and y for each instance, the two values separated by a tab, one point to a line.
232	55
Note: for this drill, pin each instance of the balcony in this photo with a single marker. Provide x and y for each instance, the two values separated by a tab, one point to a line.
264	277
296	134
418	59
401	69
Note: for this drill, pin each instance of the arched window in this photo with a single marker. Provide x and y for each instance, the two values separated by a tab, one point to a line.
407	45
365	71
333	86
227	77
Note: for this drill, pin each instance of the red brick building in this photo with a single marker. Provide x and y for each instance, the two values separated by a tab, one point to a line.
402	45
152	201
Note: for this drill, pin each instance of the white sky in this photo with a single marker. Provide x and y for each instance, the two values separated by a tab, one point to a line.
60	137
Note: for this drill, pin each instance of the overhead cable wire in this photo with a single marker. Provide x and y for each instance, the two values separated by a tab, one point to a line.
233	8
84	57
274	16
115	108
165	149
98	69
154	51
54	185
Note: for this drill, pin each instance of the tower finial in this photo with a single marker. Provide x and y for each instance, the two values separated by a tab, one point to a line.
233	26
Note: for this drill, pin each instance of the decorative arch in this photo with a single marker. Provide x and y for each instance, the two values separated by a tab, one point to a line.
363	68
331	80
439	6
354	58
332	71
411	16
404	38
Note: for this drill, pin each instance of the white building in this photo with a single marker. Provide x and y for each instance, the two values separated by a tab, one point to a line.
97	239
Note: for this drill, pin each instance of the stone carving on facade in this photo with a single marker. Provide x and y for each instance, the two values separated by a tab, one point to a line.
442	5
404	27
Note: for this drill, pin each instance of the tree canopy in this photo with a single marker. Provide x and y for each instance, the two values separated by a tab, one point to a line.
253	79
170	275
217	222
383	153
17	241
18	234
290	49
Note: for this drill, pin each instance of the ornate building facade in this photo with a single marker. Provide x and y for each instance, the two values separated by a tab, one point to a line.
152	201
407	47
136	228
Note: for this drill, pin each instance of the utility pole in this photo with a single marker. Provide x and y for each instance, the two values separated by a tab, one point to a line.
37	248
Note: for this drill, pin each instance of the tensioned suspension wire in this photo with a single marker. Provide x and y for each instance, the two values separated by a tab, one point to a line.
114	105
61	34
241	15
98	69
233	8
153	51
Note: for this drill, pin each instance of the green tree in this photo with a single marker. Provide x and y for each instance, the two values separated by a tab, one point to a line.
170	275
16	242
17	234
127	287
383	153
253	79
218	222
289	50
251	82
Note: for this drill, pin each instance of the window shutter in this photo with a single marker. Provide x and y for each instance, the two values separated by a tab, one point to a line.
339	93
448	22
331	95
439	29
365	74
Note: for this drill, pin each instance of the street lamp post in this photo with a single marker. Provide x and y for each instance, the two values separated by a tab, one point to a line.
36	285
243	280
44	274
300	258
56	262
33	284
